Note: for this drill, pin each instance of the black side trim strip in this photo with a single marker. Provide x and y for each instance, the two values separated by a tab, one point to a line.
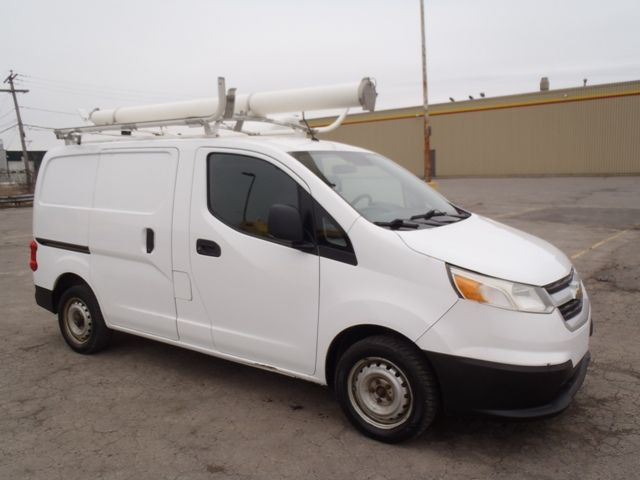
62	245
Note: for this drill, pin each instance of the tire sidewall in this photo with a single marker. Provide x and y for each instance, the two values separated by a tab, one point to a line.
411	426
98	331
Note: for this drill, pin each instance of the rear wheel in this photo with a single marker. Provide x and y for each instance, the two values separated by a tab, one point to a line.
81	321
386	388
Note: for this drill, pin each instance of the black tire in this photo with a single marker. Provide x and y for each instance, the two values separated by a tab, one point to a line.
81	322
392	375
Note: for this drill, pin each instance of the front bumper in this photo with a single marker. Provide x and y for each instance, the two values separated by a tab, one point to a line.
481	387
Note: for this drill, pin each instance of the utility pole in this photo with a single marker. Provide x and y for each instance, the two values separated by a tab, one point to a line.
25	154
428	167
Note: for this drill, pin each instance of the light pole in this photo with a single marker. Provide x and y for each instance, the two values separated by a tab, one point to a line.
428	167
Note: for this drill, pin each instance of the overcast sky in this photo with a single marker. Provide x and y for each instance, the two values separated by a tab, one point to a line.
83	54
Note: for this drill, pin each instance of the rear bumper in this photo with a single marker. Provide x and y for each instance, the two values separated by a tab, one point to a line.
480	387
44	298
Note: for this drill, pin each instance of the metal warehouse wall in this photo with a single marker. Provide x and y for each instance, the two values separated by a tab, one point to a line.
592	130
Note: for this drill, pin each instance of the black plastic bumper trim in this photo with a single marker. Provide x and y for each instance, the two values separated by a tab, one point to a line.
472	386
44	298
63	245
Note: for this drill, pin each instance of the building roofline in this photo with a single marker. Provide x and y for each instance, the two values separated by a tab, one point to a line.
564	95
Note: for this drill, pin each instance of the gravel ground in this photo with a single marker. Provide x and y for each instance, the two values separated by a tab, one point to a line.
147	410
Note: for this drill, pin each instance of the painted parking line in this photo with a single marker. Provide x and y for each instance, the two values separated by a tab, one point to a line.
521	212
599	244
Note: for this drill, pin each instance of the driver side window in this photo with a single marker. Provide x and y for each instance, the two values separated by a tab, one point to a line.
242	189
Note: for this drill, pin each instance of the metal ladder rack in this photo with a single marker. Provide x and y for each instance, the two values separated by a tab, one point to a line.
225	112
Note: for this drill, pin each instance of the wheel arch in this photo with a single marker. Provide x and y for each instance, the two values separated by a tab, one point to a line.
348	337
63	283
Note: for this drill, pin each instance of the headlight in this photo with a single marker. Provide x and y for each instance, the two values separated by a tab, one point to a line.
500	293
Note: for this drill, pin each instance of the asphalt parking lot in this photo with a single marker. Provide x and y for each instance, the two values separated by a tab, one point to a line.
143	409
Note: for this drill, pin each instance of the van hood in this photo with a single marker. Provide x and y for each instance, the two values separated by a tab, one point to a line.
491	248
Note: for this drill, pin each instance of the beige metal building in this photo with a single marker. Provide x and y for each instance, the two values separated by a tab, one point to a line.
591	130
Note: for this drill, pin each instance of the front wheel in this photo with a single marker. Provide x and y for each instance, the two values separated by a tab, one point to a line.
386	388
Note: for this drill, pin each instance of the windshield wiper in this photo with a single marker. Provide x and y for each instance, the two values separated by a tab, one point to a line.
436	213
397	224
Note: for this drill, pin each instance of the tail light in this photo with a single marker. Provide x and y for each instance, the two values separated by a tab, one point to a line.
33	263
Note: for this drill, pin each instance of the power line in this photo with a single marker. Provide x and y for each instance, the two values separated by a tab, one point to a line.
50	111
9	128
5	114
113	94
39	127
145	92
84	93
5	122
79	91
10	122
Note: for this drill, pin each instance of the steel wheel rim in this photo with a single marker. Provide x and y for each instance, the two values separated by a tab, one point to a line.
77	320
380	392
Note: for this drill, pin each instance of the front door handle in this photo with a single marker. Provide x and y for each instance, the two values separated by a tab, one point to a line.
208	248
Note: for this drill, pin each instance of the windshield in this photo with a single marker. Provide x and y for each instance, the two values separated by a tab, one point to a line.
378	188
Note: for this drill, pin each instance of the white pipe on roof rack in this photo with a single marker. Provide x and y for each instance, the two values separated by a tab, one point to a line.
362	94
203	107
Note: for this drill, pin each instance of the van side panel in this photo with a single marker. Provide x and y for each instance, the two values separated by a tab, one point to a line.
130	239
63	198
61	211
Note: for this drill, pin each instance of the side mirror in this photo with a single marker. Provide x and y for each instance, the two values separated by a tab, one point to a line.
284	223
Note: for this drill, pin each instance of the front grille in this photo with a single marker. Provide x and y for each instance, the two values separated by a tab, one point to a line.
571	308
559	285
567	290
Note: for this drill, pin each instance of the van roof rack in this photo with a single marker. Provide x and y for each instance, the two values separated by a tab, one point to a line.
229	107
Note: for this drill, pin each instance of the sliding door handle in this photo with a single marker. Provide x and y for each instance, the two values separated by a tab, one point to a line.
208	248
151	240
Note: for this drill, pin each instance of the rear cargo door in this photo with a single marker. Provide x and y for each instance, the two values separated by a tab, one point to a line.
130	239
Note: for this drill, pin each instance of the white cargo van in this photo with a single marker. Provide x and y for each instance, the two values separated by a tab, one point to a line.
310	258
